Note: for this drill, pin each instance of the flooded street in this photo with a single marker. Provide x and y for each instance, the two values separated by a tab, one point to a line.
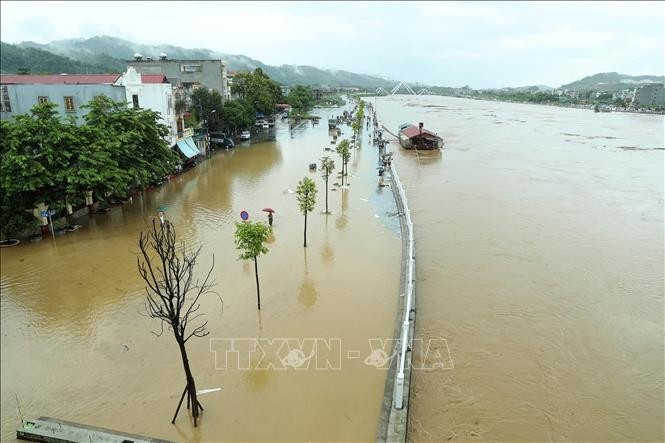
539	237
75	346
539	248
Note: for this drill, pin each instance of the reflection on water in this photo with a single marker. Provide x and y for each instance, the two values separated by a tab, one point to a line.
74	345
540	261
308	293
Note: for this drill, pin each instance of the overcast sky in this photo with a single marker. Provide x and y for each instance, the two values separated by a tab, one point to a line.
438	43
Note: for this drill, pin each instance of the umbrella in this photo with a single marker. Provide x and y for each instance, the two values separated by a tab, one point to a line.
268	210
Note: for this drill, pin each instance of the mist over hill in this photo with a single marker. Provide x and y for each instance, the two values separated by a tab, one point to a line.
112	53
102	54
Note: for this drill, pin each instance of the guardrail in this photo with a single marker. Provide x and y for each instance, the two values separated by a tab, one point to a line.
398	396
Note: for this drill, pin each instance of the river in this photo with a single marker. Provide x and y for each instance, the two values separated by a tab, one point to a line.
539	237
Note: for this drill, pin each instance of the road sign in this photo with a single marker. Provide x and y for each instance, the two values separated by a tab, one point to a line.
244	215
47	213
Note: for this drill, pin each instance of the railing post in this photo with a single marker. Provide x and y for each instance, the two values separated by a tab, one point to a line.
399	391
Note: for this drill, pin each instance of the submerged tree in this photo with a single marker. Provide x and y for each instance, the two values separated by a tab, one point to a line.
173	295
344	151
327	167
306	195
249	239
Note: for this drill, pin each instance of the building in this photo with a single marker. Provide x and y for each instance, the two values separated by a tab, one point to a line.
649	95
189	74
70	92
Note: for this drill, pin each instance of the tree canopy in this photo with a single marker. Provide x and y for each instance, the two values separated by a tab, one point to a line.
301	97
45	158
259	90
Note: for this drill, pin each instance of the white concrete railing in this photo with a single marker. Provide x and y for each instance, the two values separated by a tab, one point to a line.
398	399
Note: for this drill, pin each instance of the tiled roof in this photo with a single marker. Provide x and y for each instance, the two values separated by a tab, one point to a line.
68	79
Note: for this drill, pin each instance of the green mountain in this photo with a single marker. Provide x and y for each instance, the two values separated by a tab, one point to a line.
613	81
113	53
33	60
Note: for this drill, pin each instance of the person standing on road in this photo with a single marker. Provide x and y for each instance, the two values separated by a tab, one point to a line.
270	219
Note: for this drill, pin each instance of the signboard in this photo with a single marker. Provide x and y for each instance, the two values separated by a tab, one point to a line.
244	215
47	213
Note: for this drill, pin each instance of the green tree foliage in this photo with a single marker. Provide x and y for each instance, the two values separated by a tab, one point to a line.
36	151
259	90
39	61
250	238
237	115
327	167
204	103
306	196
344	151
135	138
301	98
44	158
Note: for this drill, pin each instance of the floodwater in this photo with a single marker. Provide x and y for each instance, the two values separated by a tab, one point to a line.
76	347
539	237
539	261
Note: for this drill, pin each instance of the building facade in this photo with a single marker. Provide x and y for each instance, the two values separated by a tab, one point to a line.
190	74
649	95
20	93
69	92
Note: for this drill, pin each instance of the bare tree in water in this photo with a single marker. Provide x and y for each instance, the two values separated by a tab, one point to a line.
173	295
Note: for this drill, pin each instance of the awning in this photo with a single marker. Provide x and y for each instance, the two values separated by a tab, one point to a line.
186	149
192	145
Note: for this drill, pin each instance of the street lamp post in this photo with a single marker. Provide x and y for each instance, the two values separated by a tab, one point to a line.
208	130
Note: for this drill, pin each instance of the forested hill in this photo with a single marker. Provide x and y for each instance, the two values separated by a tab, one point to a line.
15	59
109	54
612	81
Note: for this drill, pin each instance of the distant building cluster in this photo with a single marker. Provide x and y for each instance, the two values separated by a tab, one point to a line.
646	95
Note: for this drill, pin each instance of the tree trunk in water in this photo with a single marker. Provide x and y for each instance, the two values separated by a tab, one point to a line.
258	291
326	195
305	232
191	386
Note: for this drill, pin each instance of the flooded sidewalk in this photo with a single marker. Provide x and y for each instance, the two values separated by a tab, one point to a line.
75	347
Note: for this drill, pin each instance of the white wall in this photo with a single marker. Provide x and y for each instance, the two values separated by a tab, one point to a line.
154	96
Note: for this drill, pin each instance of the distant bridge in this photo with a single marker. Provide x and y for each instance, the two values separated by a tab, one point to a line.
400	85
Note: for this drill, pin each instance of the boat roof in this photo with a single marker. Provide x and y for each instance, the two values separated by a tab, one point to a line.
414	131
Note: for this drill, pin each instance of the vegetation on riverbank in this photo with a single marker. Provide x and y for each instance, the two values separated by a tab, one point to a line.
45	159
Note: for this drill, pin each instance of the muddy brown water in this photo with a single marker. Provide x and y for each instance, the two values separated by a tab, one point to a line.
540	263
75	347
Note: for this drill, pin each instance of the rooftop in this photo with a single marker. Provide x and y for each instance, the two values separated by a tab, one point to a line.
74	79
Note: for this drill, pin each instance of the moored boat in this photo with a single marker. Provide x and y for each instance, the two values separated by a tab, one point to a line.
416	137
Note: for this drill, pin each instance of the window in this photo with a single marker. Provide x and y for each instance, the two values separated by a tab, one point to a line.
190	68
135	100
69	104
42	99
5	106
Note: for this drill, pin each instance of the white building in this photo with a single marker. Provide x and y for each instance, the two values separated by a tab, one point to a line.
151	91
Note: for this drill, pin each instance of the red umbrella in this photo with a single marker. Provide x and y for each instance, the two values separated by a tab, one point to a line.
268	210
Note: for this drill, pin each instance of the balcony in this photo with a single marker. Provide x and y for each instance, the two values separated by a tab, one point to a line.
188	132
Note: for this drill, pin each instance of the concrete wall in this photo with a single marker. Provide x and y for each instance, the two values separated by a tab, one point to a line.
209	73
23	97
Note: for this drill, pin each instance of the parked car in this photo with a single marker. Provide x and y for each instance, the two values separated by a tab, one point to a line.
245	135
221	140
